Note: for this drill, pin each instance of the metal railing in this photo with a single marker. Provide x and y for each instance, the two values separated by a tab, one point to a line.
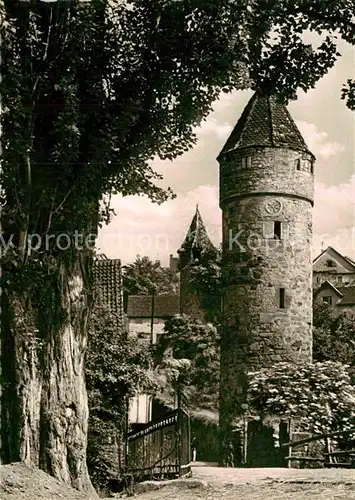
329	458
162	449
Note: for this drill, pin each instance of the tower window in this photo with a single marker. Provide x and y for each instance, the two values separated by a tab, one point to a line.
282	298
277	230
196	253
312	167
246	162
298	164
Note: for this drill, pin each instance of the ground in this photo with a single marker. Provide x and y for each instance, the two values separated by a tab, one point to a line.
261	484
19	482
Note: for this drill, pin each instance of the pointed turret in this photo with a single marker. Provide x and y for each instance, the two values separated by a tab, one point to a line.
265	122
196	249
197	243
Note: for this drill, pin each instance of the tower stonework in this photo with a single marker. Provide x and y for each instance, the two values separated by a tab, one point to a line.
266	196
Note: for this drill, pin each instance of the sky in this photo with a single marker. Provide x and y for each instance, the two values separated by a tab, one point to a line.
328	127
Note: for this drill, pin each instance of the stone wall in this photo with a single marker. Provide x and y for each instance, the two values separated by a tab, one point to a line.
270	170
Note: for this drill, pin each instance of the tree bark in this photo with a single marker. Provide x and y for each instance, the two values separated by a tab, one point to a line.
44	401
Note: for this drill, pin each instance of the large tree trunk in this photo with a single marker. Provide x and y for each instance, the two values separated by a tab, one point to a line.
44	401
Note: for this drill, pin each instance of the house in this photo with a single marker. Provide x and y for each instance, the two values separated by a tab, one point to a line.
147	315
339	297
333	267
146	318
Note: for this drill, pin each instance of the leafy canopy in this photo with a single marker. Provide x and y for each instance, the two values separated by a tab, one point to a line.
92	91
320	395
144	277
334	336
196	346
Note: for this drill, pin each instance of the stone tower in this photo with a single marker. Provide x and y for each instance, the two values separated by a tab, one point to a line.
196	249
266	196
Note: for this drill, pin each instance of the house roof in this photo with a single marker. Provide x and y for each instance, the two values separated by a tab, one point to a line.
349	259
345	261
107	275
197	236
328	284
346	293
165	306
265	122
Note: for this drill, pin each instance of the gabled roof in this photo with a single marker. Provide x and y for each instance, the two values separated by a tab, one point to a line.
346	293
328	284
329	250
348	298
197	236
265	122
352	261
107	275
165	306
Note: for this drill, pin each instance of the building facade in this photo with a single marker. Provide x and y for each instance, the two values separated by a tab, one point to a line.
147	315
333	267
266	196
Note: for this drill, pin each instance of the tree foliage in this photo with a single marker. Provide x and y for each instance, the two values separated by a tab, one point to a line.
334	336
205	280
198	343
116	367
319	396
144	277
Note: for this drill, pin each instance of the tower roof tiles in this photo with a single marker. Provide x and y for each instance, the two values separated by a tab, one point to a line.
197	236
265	122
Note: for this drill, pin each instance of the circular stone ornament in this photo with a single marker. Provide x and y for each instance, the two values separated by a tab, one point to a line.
273	206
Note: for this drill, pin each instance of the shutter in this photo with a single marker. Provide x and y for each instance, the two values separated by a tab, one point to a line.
285	231
268	229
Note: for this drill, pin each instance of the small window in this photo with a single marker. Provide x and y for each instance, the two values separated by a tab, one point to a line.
277	230
143	335
282	298
246	162
298	164
318	279
312	167
196	253
327	299
339	279
331	263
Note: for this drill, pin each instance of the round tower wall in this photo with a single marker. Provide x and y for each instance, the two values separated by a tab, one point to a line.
268	289
267	267
266	170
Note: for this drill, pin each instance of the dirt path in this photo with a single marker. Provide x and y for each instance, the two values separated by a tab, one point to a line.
262	484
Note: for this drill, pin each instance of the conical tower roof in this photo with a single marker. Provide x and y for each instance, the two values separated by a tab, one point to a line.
197	237
265	122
